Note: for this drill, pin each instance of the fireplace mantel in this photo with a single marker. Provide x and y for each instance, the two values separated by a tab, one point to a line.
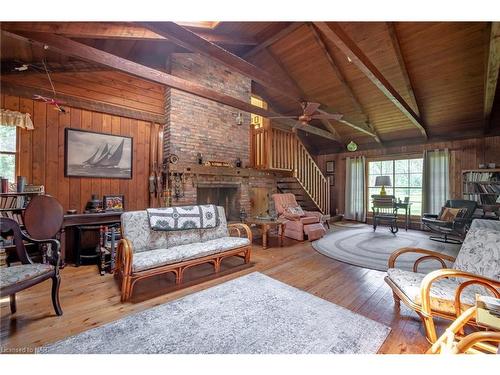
224	171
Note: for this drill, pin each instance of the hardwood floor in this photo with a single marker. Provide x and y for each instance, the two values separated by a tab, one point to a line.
90	300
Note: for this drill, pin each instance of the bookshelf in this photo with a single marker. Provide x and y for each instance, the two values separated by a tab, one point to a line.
12	205
483	186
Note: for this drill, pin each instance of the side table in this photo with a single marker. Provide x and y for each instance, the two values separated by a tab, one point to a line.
264	226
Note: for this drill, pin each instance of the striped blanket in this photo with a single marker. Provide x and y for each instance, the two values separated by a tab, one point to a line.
183	217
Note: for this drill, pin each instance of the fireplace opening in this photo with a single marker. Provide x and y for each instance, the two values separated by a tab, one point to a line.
225	196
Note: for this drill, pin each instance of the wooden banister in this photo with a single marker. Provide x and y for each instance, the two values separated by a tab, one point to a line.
275	149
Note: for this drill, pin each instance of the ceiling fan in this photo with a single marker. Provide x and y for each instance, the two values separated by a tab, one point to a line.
310	112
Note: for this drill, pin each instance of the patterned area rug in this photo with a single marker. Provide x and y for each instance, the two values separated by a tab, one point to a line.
251	314
362	247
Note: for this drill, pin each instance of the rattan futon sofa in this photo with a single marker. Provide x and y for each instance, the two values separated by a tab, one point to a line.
144	252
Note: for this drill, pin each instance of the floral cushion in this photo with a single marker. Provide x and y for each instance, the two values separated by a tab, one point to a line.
17	274
217	232
442	291
163	256
480	253
135	227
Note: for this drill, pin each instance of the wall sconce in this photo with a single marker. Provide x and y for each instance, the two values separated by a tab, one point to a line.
239	119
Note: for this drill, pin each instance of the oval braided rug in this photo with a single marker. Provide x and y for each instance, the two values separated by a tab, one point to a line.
363	247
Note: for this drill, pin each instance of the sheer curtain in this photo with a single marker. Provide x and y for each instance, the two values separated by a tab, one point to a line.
355	189
436	180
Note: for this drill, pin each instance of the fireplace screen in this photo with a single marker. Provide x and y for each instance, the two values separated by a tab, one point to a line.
225	196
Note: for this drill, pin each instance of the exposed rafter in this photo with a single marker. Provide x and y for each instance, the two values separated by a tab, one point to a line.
491	79
87	104
402	65
344	43
270	41
69	47
348	90
115	30
193	42
326	123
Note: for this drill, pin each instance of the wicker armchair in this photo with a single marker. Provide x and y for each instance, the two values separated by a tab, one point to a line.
447	292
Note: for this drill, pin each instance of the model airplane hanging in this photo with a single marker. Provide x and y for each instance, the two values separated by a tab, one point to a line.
50	101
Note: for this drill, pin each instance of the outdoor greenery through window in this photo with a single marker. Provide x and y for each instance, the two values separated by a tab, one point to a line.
406	179
8	152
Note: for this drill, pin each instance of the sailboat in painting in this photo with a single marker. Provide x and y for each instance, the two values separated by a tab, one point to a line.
91	154
105	156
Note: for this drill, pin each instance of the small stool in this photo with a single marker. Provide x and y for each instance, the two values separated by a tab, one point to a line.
85	253
314	231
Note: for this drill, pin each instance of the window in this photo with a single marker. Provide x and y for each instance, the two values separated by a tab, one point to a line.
8	152
406	178
257	121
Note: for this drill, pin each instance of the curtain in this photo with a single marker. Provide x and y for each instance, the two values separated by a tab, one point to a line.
13	118
436	180
355	189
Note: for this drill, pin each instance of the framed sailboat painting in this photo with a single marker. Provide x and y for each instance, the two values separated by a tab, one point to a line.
91	154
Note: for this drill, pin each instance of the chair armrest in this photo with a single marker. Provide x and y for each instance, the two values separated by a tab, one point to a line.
291	217
429	254
238	227
52	253
430	216
430	278
124	257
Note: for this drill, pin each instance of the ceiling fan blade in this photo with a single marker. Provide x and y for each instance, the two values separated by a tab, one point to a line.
329	116
310	108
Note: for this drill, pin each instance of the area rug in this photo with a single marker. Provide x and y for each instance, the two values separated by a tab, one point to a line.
349	224
250	314
365	248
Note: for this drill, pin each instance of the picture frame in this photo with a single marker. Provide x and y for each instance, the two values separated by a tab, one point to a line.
331	180
330	167
97	155
113	202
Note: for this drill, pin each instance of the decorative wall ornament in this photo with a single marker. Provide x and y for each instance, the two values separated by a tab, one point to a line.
352	146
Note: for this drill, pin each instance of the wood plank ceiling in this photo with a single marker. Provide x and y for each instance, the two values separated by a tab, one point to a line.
394	83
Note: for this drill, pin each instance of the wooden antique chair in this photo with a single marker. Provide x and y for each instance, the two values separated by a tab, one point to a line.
385	211
16	278
446	292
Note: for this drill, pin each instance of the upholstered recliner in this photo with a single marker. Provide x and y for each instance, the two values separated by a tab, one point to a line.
298	225
455	228
447	292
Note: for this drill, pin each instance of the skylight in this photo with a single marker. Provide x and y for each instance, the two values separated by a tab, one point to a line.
200	24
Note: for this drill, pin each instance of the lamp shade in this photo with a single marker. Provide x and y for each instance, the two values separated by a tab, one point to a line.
383	181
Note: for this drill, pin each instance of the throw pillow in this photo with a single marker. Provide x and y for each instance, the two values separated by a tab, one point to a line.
449	214
297	210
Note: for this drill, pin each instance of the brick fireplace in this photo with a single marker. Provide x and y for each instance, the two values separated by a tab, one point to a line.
199	126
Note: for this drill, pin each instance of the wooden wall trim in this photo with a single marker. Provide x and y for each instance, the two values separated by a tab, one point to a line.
90	105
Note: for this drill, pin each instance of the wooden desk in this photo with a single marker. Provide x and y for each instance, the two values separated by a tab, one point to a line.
407	208
84	219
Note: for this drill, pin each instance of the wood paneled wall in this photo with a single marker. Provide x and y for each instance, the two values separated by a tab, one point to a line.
41	153
465	154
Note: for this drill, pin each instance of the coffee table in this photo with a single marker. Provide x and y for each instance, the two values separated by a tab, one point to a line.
264	226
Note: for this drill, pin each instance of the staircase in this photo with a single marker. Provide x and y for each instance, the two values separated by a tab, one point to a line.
279	150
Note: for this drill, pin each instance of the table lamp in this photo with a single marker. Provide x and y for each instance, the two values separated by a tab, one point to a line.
382	181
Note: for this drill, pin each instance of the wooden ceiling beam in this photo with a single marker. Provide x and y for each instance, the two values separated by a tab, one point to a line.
83	103
492	68
347	88
402	66
116	30
193	42
270	41
344	43
69	47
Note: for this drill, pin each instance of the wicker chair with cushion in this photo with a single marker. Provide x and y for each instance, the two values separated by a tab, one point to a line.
298	222
16	278
447	292
459	214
